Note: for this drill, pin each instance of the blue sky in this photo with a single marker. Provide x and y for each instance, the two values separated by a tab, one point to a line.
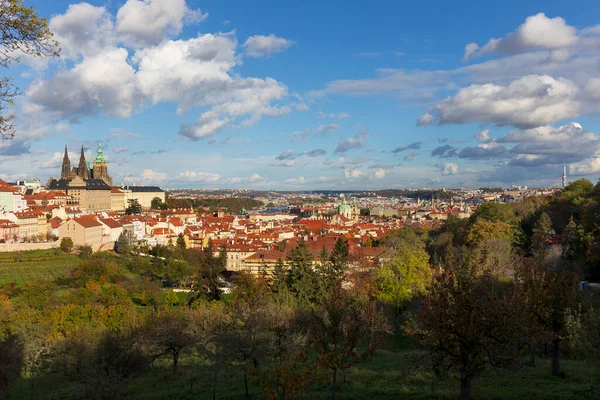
314	94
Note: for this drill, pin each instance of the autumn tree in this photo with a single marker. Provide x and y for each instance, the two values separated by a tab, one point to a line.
468	320
583	334
23	33
345	330
247	335
406	272
167	334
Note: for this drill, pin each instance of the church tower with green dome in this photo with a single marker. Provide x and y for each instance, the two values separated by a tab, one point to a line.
100	169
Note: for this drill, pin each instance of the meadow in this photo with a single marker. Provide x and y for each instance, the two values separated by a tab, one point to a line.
39	265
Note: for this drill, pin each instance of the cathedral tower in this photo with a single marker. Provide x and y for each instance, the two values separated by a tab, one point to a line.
100	169
66	166
83	170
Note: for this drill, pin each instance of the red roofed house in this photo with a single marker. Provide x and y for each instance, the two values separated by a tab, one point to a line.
85	230
9	231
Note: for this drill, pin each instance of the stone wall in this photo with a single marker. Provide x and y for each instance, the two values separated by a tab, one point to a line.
5	247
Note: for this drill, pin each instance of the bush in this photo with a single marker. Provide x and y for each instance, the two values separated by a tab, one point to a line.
85	252
66	244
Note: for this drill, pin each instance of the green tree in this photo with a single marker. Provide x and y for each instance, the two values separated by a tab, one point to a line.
304	284
133	207
85	252
468	320
23	32
167	334
122	245
346	330
157	204
208	282
406	273
180	242
583	335
578	189
66	244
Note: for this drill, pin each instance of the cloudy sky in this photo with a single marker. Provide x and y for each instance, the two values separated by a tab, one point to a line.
314	94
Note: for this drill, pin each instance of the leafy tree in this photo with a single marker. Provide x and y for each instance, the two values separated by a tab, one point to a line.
304	284
208	280
547	294
180	242
578	189
483	230
66	244
346	330
122	245
133	207
157	204
583	334
85	252
338	262
179	271
494	212
167	334
406	273
247	335
468	320
23	32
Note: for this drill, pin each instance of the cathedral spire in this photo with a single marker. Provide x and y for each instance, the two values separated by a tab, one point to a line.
66	166
83	170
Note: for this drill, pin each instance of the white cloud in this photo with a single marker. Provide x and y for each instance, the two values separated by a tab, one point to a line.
82	30
355	142
57	159
587	167
447	168
341	115
352	173
537	32
532	100
482	136
193	176
262	46
149	175
147	22
322	130
379	174
103	82
469	50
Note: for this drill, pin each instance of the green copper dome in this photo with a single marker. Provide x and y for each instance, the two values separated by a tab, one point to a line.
99	156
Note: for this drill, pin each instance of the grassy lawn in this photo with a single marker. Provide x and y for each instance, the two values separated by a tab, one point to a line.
42	265
388	375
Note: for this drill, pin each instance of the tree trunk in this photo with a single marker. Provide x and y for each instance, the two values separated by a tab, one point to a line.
465	388
556	357
175	362
333	383
246	383
214	393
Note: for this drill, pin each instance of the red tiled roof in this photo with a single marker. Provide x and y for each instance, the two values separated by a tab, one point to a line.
111	223
87	221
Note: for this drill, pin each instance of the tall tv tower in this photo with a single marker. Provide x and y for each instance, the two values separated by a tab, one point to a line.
564	176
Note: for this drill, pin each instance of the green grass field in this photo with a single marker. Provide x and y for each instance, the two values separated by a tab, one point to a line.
393	373
41	265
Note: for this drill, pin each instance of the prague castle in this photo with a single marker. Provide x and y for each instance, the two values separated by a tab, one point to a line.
99	169
90	188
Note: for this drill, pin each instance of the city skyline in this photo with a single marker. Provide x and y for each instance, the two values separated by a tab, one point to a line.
234	95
